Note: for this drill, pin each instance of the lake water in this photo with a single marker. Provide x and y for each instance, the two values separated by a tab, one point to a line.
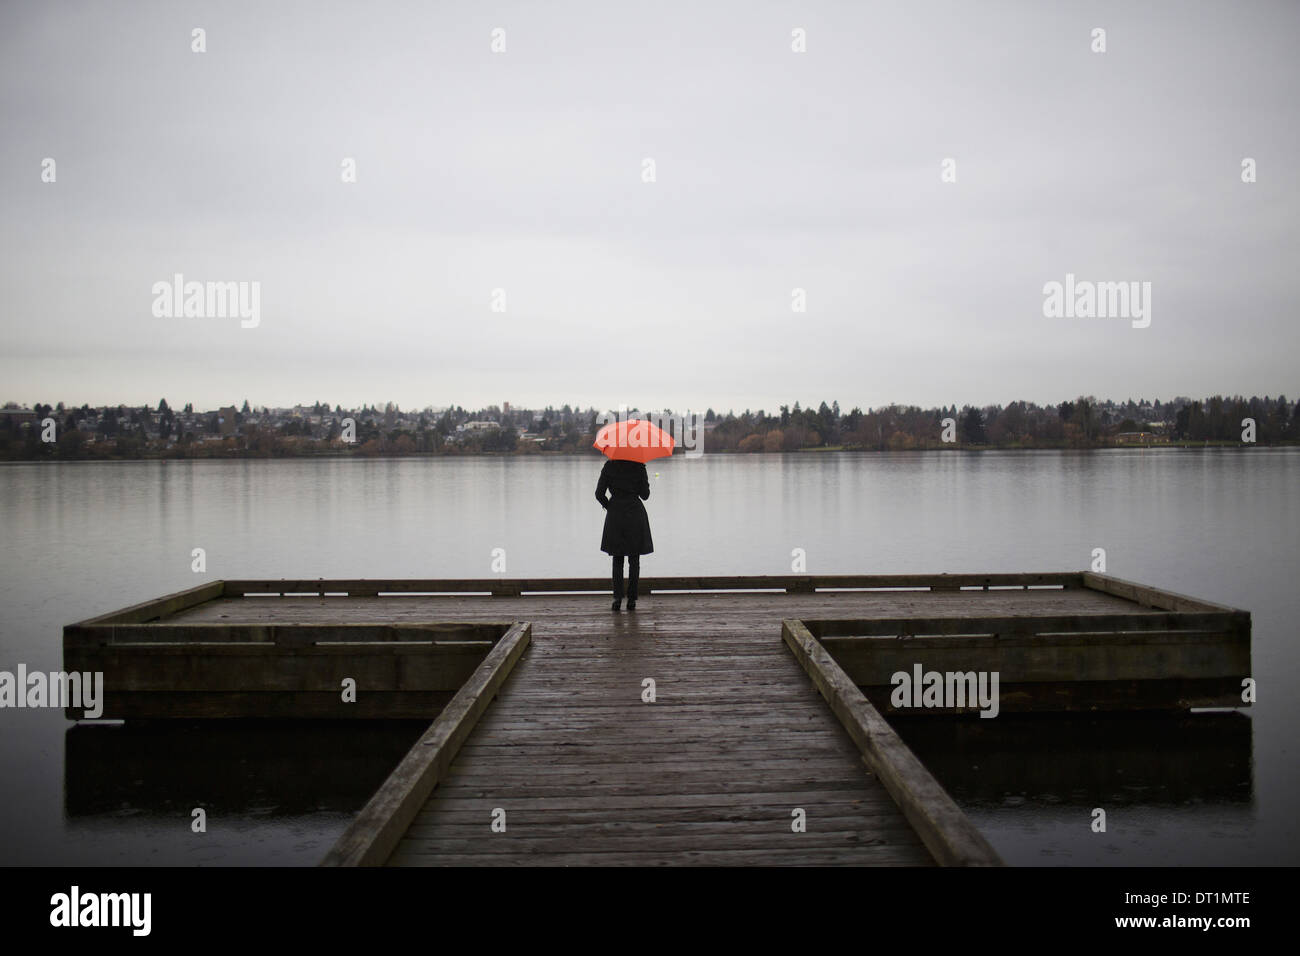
85	538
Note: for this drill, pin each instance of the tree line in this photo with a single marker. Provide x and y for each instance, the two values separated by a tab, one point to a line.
1083	422
146	432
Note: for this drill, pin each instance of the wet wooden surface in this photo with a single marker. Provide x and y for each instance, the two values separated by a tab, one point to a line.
657	612
737	739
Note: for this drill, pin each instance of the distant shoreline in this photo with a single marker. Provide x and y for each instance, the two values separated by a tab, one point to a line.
242	455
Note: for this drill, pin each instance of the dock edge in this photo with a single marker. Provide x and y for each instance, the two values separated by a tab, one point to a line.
945	830
375	832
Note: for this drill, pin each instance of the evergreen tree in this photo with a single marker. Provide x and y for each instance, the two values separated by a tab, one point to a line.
972	427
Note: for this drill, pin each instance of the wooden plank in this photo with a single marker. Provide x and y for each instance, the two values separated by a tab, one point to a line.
619	748
1019	625
660	720
288	634
699	767
555	710
371	837
158	608
274	705
942	826
1153	597
527	788
1077	696
671	616
254	668
770	821
660	738
448	799
415	854
872	661
517	841
838	826
507	587
189	669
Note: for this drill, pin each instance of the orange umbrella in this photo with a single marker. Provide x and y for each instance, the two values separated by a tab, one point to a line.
634	440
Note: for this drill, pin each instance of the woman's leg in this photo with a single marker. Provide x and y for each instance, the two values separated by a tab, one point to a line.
617	573
633	576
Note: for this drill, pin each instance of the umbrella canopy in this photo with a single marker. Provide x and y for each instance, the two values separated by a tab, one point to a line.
634	440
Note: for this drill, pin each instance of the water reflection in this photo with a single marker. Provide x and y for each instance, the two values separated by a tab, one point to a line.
1087	761
263	768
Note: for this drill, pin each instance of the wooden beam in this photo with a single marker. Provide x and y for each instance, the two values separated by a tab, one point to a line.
286	634
1152	597
370	839
159	608
270	705
266	668
1085	696
1049	658
361	587
944	829
1025	624
281	670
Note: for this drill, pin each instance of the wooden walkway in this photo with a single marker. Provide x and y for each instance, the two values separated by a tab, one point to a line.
710	773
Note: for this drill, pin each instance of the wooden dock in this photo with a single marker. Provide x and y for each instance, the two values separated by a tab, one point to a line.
763	742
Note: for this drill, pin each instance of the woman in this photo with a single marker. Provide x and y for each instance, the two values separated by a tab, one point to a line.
627	526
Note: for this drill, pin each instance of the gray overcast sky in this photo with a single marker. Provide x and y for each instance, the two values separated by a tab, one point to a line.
522	171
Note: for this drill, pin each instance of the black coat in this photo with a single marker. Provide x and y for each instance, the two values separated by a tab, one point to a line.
627	526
